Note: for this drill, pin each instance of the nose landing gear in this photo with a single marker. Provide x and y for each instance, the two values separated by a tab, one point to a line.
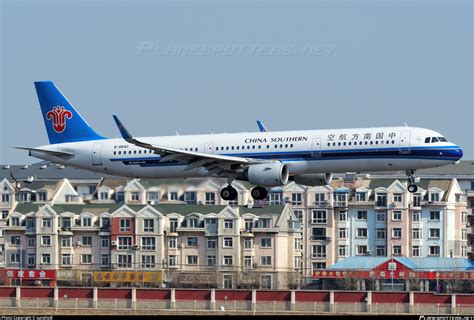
412	187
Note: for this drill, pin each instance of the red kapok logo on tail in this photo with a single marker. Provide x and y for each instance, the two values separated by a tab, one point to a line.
59	115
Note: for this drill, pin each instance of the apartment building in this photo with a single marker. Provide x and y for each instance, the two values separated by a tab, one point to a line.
215	246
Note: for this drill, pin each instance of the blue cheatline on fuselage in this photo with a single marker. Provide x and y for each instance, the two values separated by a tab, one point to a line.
429	153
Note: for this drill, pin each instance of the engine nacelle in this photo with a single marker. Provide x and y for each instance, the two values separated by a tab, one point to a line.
269	174
319	179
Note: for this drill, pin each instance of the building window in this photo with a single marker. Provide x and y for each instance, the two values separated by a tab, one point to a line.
380	216
124	243
416	233
31	259
172	242
228	224
46	223
210	198
86	240
66	259
173	225
104	242
265	242
434	250
5	198
463	251
148	243
212	243
227	281
228	261
319	265
266	281
464	217
415	251
124	260
172	261
342	216
464	234
14	258
342	233
173	196
266	261
361	215
318	251
193	223
46	241
361	232
342	251
319	217
190	197
397	197
211	261
191	260
228	243
148	261
296	198
86	221
45	258
105	260
248	243
397	250
381	233
434	196
192	241
396	233
434	215
153	196
274	198
135	196
30	241
417	200
248	262
361	196
15	240
297	244
103	195
434	233
41	196
148	225
86	258
396	215
124	225
66	242
361	250
381	200
416	216
248	224
380	251
298	215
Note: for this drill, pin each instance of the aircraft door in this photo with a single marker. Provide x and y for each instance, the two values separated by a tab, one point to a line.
316	147
96	154
405	142
209	147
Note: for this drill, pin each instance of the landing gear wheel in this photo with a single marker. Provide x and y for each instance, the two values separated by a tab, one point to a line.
229	193
259	193
411	181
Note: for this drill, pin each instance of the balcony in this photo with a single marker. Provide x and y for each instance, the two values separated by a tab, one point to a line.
322	204
339	204
265	229
381	204
321	238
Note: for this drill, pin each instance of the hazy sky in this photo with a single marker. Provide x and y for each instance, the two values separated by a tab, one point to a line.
193	66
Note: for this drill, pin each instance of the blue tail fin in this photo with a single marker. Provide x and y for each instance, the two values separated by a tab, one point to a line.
63	123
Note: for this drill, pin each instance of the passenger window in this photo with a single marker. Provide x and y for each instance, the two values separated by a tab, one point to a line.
291	145
238	147
427	140
253	147
268	146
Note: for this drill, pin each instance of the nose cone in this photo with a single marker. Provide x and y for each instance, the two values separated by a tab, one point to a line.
459	153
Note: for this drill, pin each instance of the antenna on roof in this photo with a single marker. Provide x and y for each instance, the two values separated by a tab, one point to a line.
177	133
405	124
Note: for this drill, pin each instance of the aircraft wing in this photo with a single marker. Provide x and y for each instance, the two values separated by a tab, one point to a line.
214	162
53	153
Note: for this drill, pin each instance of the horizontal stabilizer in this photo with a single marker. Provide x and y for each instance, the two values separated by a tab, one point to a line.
53	153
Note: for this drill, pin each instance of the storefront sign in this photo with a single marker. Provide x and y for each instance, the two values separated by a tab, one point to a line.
128	276
28	274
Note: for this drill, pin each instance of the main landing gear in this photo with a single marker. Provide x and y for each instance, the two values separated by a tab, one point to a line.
229	193
412	187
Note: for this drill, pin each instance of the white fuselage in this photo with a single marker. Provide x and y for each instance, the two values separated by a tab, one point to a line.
305	151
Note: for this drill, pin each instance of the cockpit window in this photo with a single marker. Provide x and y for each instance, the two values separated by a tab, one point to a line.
442	139
434	139
427	140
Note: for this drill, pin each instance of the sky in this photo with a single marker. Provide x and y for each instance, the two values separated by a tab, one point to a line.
201	66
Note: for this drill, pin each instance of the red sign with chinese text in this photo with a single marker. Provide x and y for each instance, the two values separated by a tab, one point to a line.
28	274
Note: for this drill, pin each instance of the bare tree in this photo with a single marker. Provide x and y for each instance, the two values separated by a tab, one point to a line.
348	282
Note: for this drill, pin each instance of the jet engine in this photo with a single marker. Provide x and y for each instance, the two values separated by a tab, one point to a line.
269	174
319	179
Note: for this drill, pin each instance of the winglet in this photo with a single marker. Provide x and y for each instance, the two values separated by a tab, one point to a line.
261	126
123	131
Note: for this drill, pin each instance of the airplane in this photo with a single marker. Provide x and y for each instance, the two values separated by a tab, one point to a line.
265	159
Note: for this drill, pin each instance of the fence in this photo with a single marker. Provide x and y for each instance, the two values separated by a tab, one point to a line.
235	301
